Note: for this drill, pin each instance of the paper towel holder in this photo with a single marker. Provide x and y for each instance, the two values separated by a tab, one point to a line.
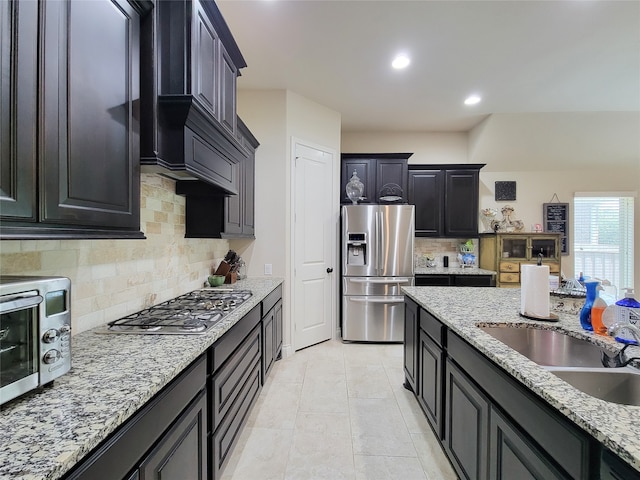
551	318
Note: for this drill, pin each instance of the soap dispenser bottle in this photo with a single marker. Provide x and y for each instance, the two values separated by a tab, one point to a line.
598	308
585	313
627	312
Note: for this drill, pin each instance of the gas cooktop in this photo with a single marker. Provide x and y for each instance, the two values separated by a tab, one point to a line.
190	314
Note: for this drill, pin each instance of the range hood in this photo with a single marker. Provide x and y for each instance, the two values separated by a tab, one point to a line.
188	105
194	147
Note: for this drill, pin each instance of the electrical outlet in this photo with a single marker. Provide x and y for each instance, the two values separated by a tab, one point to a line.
267	269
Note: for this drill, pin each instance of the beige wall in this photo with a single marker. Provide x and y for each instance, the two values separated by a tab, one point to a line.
265	114
536	182
114	278
276	118
533	189
427	147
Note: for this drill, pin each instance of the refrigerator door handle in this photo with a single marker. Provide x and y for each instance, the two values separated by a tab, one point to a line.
377	299
378	280
379	224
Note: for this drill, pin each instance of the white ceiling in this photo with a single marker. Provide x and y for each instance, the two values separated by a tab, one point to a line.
521	56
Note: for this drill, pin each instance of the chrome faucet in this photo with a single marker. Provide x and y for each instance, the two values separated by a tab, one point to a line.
618	360
616	327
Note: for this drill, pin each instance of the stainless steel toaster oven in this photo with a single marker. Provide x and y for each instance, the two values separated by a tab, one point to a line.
35	332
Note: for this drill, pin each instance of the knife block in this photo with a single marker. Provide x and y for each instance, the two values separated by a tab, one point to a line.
231	277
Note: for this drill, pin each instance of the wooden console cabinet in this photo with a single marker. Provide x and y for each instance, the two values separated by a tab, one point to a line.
507	252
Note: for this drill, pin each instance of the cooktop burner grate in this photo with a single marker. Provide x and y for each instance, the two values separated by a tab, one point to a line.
192	313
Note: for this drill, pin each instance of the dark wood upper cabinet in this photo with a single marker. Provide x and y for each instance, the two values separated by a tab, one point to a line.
18	110
384	176
191	64
461	202
425	192
210	213
91	149
74	79
239	220
365	169
446	199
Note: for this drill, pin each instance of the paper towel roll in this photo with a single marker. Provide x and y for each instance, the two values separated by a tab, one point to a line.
534	283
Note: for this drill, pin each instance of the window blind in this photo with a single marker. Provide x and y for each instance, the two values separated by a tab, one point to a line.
603	237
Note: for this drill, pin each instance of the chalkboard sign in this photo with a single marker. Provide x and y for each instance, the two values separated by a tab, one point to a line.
556	220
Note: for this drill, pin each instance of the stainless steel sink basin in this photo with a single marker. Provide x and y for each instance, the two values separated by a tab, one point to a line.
548	347
612	385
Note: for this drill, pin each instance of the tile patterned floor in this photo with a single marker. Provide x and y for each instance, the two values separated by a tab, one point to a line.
338	411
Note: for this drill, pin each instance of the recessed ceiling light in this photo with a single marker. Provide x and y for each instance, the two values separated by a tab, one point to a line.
401	61
472	100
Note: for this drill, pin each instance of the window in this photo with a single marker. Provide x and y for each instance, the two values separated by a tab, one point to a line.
603	237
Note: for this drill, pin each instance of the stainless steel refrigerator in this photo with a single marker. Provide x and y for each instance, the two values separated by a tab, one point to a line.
377	259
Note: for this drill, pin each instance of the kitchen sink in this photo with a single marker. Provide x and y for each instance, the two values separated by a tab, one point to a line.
574	360
548	347
617	385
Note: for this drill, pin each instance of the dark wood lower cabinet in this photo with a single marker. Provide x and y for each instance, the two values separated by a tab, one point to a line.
228	381
431	357
268	342
225	437
512	455
271	330
489	425
612	468
164	422
466	426
433	280
189	429
181	454
410	344
278	320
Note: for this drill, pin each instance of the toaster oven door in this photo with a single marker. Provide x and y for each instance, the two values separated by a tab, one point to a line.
19	344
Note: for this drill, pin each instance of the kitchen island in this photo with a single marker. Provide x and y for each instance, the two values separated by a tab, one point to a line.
456	314
47	432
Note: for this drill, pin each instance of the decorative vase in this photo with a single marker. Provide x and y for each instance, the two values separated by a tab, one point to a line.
354	188
585	313
487	216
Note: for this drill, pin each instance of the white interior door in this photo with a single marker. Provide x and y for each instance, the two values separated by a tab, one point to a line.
314	244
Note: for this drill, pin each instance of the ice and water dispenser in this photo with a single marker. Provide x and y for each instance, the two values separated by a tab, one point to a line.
356	249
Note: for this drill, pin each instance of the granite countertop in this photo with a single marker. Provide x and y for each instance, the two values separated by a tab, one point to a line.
462	309
452	271
46	432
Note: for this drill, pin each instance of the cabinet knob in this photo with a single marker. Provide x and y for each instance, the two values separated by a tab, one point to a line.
329	270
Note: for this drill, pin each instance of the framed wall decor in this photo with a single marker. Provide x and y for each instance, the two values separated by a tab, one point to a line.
505	191
556	220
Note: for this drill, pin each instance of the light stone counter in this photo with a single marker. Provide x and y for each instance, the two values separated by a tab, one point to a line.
45	433
462	309
452	271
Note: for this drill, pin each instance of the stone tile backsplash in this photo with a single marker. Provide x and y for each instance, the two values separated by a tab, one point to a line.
114	278
439	247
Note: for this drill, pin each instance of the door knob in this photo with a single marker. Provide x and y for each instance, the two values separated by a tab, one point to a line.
329	270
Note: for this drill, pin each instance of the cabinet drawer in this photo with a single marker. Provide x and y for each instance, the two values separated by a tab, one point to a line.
271	299
224	347
433	280
231	378
228	432
509	277
432	327
509	266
